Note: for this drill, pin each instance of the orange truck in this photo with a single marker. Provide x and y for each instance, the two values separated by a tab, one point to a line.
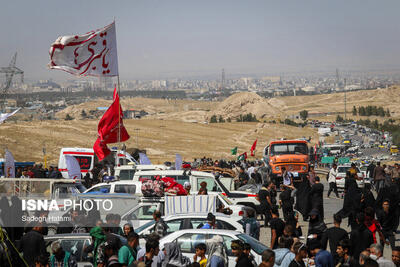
291	154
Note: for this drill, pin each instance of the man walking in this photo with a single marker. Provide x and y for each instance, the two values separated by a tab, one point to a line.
332	180
379	176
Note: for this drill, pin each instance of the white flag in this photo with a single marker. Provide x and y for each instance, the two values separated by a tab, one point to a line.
9	165
73	167
93	54
143	159
4	116
178	162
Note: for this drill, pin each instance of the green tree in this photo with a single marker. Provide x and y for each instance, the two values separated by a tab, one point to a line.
361	111
213	119
339	118
304	114
375	124
354	111
387	113
229	120
381	112
220	119
69	117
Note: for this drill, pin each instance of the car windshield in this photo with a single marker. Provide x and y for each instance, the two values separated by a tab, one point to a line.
143	227
256	245
289	148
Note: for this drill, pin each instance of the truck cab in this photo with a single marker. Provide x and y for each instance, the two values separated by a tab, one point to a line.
291	154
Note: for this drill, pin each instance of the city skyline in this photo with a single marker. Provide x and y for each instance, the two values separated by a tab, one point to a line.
182	39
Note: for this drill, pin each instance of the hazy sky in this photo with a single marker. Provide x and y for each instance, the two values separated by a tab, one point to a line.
171	38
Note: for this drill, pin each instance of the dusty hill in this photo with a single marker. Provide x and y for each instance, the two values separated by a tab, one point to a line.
161	138
386	98
183	110
246	102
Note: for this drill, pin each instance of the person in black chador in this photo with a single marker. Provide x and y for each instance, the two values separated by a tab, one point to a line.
352	202
286	201
302	196
316	227
265	203
316	195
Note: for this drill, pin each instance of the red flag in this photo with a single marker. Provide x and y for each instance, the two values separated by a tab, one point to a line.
253	148
108	129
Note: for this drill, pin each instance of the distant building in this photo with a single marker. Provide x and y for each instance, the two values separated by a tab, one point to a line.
134	114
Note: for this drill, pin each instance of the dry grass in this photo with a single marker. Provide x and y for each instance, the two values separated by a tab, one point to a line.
170	129
161	138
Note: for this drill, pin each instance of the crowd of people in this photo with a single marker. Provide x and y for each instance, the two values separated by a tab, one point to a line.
372	214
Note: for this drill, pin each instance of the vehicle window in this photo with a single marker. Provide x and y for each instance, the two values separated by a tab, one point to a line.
227	243
174	225
198	222
75	247
180	179
102	188
188	242
143	213
211	185
124	188
126	174
224	225
290	148
256	245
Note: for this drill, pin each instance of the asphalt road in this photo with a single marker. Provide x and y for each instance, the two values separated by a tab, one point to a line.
331	206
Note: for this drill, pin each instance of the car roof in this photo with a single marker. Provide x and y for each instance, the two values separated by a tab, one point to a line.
199	215
124	182
207	231
173	172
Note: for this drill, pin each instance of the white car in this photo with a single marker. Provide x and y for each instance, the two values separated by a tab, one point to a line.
190	221
143	212
115	187
188	239
341	177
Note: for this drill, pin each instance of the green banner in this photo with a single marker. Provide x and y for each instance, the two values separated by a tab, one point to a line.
329	160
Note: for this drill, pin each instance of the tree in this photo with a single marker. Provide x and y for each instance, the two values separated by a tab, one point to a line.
69	117
354	111
213	119
339	118
83	114
387	113
304	115
229	120
220	119
381	112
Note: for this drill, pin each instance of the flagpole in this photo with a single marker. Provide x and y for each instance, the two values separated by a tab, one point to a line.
119	113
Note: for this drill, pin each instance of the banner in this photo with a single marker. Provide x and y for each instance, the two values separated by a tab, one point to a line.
178	162
74	170
143	159
110	129
9	165
253	148
90	54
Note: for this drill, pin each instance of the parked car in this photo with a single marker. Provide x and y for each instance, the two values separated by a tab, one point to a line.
188	239
76	244
341	177
190	221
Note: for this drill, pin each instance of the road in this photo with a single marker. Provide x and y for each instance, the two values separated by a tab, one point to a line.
331	206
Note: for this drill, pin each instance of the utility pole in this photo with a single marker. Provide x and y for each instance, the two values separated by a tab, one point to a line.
345	101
